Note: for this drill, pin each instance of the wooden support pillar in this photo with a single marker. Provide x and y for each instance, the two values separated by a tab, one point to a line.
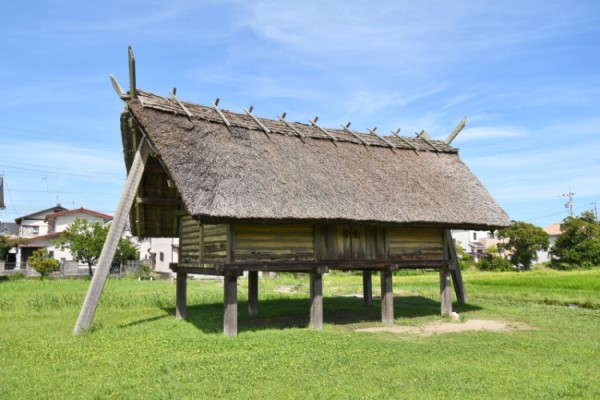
181	295
230	300
86	315
457	280
316	300
387	297
368	288
253	292
445	291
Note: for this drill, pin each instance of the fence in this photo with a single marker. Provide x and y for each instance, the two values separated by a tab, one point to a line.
69	269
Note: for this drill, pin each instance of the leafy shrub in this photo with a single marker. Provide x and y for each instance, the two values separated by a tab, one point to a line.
494	263
42	263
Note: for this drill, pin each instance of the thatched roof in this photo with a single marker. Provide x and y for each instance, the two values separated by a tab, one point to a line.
243	173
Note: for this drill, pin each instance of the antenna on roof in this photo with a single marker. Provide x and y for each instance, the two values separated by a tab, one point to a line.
372	132
347	129
132	87
425	136
214	105
264	128
396	134
184	108
456	130
314	123
296	131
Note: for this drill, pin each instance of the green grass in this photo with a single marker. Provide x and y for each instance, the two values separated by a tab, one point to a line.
137	350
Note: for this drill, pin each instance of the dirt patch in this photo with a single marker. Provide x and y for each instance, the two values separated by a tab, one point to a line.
449	327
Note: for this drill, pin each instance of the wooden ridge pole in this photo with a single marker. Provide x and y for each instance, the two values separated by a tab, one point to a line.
117	227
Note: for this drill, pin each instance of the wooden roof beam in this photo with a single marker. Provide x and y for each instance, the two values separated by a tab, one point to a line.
347	129
412	146
216	108
262	126
314	123
132	87
425	136
296	131
456	130
384	140
184	108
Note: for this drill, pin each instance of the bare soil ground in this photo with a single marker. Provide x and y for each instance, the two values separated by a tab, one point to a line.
450	327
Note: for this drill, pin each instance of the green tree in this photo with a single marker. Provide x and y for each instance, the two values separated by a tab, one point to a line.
524	240
42	263
7	243
578	246
85	241
494	263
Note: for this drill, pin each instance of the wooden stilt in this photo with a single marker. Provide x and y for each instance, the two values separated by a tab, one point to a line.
230	300
316	300
253	292
387	297
445	291
181	295
368	288
117	227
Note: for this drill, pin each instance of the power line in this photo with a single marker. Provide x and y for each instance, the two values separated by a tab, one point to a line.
105	177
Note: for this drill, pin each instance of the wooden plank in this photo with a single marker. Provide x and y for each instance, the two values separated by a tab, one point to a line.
260	124
356	135
368	287
445	291
115	232
155	201
456	130
316	300
425	136
230	301
403	140
387	297
329	135
253	292
274	243
181	295
132	85
296	131
457	280
180	104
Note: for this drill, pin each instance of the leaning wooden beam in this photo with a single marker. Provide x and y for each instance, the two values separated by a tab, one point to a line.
412	146
296	131
316	299
456	130
181	296
457	280
262	126
253	292
180	104
350	131
216	108
112	240
384	140
117	87
387	297
314	123
423	135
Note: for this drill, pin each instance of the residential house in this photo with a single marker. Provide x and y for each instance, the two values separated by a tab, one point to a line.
43	227
553	230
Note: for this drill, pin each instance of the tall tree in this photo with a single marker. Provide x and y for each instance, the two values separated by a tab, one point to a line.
85	241
524	240
7	243
579	243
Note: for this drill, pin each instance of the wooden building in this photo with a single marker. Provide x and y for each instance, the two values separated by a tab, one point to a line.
244	193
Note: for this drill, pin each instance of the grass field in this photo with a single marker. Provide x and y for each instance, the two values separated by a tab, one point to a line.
137	350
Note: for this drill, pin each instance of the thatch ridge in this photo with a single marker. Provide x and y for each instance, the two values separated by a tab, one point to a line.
244	174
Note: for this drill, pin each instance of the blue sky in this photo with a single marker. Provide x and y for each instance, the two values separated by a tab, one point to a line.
525	73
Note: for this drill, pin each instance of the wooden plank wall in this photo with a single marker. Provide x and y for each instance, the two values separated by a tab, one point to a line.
214	246
415	243
274	243
190	239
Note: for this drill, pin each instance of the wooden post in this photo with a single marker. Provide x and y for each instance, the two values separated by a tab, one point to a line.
230	300
445	291
316	300
117	227
457	280
387	297
181	290
132	87
368	288
252	292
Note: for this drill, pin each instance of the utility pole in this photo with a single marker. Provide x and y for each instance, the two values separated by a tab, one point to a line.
595	211
569	203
